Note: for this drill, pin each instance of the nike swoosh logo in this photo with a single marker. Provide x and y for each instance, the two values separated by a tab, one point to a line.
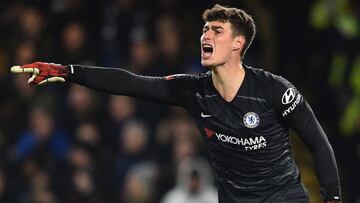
205	115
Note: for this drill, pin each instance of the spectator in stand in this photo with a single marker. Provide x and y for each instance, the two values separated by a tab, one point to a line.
83	105
170	58
132	149
41	190
121	109
194	183
139	183
75	46
42	140
83	188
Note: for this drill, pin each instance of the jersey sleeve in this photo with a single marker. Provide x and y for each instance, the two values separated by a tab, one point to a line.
172	89
295	112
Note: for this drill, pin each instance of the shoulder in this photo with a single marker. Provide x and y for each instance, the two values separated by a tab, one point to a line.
188	84
277	90
258	72
269	80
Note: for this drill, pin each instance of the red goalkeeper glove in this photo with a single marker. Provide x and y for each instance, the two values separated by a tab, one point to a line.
43	73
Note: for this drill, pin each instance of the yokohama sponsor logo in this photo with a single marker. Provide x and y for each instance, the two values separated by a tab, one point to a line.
252	143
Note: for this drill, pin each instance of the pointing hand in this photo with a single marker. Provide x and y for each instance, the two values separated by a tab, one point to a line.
43	73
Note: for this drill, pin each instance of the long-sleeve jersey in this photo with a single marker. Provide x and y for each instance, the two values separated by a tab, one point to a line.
247	139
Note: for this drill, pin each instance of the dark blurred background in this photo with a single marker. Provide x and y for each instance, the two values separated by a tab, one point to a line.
67	143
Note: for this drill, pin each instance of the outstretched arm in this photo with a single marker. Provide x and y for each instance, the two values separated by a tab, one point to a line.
171	90
296	112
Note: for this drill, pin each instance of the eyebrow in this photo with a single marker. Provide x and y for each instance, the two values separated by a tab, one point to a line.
214	27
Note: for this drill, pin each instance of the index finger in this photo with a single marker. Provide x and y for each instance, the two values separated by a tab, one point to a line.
19	69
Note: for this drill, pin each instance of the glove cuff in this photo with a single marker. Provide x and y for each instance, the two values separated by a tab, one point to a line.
76	73
330	194
70	68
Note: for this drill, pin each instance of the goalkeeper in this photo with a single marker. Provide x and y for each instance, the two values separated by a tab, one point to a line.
243	113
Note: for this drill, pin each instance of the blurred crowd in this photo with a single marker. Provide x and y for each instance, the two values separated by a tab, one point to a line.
67	143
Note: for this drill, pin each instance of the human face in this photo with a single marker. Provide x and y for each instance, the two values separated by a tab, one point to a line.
217	43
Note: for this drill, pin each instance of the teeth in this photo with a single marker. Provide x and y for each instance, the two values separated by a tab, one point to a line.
207	48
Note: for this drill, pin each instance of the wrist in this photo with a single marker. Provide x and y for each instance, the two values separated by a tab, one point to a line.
70	68
331	194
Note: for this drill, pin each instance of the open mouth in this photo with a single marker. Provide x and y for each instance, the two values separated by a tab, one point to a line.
207	50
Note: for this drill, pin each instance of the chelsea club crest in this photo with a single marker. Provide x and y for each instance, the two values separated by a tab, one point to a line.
251	120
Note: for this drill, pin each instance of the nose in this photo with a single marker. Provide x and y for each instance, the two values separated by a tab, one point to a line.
206	36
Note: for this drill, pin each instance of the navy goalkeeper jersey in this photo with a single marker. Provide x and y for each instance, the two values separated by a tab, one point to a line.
247	139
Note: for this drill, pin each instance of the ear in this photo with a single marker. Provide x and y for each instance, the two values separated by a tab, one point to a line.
238	42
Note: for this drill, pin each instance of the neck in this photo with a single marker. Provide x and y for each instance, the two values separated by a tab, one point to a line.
227	79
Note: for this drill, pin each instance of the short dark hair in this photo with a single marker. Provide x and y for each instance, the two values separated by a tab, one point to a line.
241	22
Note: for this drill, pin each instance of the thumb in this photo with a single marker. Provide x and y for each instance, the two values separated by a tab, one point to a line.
52	79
